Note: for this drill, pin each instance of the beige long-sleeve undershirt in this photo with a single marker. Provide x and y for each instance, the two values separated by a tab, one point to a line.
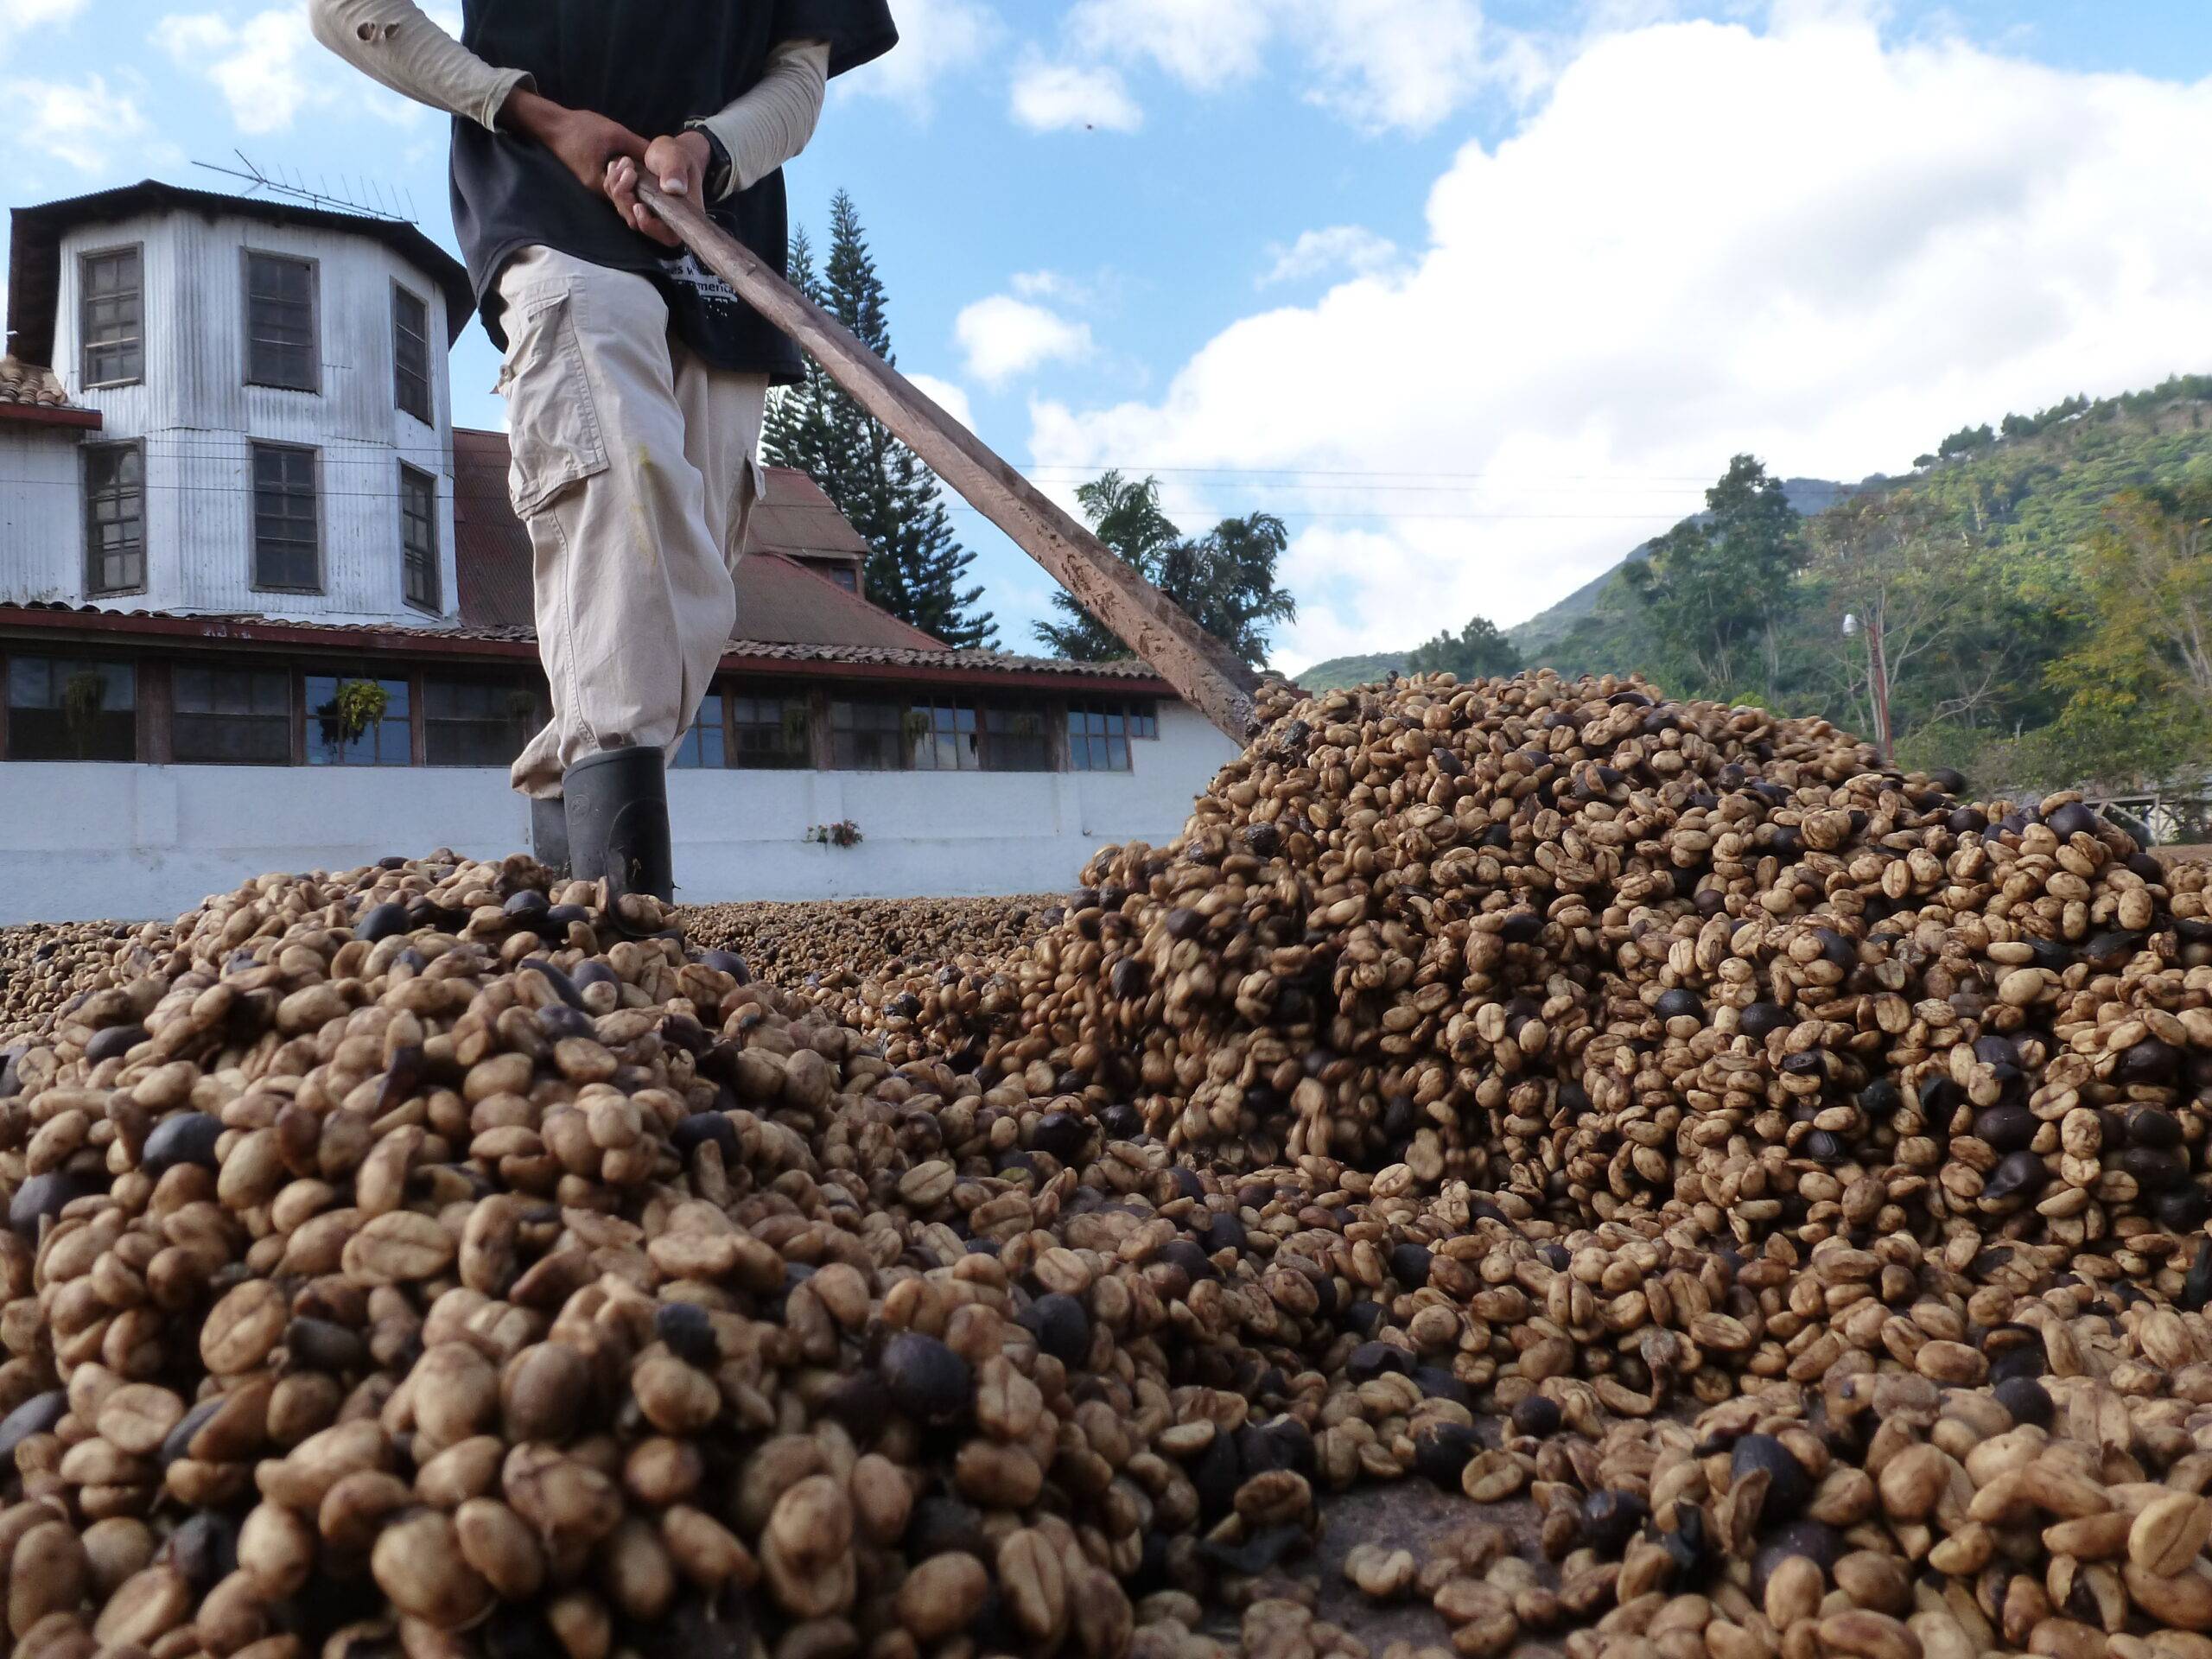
392	41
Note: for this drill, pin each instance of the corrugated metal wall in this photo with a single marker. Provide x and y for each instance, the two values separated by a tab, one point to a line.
197	417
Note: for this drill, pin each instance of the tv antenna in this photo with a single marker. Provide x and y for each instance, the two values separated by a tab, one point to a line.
365	197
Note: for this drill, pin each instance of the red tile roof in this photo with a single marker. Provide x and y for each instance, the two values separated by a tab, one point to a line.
30	392
779	600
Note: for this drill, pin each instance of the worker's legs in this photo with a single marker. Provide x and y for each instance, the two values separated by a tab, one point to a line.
722	413
632	584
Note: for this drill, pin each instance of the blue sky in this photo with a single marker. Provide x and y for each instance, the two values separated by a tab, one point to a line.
1475	296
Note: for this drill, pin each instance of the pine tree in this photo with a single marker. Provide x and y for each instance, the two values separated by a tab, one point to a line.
914	566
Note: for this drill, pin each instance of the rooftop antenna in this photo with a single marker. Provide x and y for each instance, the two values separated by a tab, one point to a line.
258	179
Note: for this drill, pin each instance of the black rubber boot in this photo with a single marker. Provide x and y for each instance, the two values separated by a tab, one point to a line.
548	835
618	823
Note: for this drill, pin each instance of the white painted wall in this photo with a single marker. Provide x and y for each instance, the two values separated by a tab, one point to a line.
130	843
41	531
196	416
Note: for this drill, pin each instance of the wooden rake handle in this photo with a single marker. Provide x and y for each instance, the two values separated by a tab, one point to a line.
1208	675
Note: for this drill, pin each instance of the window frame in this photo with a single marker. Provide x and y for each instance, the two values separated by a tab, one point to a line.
410	683
800	758
717	694
85	381
254	447
894	733
295	686
428	415
421	691
1108	709
247	257
136	446
434	605
9	724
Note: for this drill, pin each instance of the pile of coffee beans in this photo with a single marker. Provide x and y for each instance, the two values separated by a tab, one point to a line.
425	1260
827	948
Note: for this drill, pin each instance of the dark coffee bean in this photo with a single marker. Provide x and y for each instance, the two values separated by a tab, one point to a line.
1824	1146
1364	1319
1967	820
1131	979
561	918
1939	1096
558	1019
113	1042
2182	1210
2149	1127
728	962
179	1443
36	1415
1217	1473
1061	1325
1689	1552
1184	922
381	922
527	906
2148	1062
1185	1254
1372	1359
1949	781
1437	1383
690	1333
43	1198
321	1345
2156	1168
204	1549
1610	1519
927	1380
1060	1136
1789	1487
938	1525
1441	1451
2006	1129
1522	927
592	971
181	1138
1678	1004
2073	819
1410	1265
2111	950
2029	1361
1761	1018
1537	1415
1124	1121
694	1131
2028	1401
1881	1099
1816	1541
2016	1175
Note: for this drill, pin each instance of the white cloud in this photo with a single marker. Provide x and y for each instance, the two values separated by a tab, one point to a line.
1003	337
937	38
266	67
88	124
947	396
37	14
1351	248
1058	96
1379	64
1627	290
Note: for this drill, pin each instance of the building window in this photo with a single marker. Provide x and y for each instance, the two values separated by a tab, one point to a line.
847	577
357	722
867	736
702	746
769	734
287	550
111	317
232	716
114	518
411	354
280	336
942	737
419	537
1098	737
476	723
63	709
1014	739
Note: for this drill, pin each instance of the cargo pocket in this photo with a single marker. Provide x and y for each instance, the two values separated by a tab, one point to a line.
554	438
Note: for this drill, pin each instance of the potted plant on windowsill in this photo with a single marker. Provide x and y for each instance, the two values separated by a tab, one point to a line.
82	694
358	705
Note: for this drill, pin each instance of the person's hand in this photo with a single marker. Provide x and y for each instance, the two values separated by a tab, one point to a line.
678	164
589	145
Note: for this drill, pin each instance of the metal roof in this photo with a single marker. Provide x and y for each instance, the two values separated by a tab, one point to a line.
34	249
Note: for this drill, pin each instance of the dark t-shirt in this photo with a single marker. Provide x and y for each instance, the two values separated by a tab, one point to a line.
652	65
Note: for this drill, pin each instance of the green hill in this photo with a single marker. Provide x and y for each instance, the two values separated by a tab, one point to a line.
1340	671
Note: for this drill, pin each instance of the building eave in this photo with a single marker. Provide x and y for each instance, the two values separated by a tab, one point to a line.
65	416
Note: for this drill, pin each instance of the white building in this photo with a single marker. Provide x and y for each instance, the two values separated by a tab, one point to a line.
262	608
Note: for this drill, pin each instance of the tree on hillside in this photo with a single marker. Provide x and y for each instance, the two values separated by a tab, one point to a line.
1895	578
2146	654
1717	588
915	567
1225	580
1477	651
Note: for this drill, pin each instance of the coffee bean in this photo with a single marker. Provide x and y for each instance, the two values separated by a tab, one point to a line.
927	1380
1789	1487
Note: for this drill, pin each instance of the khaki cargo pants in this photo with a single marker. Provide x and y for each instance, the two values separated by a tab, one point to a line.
636	468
